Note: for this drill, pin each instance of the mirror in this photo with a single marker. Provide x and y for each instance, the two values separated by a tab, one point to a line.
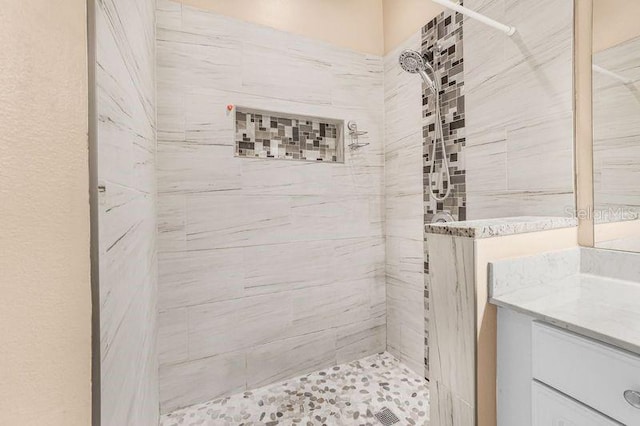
616	124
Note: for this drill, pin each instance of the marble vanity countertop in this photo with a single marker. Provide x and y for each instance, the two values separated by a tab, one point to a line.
487	228
605	308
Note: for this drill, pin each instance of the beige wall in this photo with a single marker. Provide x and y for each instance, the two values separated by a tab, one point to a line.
490	250
614	21
354	24
45	304
402	18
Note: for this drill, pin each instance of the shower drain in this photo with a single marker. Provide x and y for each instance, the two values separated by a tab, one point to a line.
386	417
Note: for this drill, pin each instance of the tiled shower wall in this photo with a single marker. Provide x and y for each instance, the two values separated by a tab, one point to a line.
510	149
409	138
404	208
519	110
444	37
252	241
268	268
126	139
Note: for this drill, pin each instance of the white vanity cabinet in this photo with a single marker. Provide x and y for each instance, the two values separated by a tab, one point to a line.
551	408
548	376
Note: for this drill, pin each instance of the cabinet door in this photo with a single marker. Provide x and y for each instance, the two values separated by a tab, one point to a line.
588	371
551	408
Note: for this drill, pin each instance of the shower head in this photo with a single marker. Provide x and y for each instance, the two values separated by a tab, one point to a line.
413	62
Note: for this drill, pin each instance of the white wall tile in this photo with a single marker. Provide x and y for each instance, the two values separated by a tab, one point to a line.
404	210
190	278
218	221
452	327
232	325
354	341
519	110
126	136
197	381
269	257
282	359
193	168
173	336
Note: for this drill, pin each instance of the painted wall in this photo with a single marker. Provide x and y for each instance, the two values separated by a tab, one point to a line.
519	110
403	18
268	268
126	109
614	21
45	308
404	207
352	24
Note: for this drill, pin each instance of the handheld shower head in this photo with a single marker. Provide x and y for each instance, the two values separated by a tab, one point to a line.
414	63
411	61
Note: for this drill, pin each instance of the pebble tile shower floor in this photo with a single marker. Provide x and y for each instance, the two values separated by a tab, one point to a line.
348	394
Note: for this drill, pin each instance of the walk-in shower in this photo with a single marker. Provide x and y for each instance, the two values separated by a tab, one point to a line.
416	63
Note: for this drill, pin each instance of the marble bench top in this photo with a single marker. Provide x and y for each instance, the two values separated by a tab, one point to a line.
591	294
487	228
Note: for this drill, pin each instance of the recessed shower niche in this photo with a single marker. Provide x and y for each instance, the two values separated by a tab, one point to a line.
264	134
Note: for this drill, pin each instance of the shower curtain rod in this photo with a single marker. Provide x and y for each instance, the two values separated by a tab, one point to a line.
477	16
611	74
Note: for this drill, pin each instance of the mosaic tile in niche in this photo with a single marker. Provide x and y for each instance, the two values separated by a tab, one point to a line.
261	135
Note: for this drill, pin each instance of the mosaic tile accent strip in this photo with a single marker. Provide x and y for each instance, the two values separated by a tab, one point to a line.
444	35
348	394
270	136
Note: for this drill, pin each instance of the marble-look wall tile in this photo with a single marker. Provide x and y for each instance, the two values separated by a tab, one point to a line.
126	136
407	264
279	265
522	203
519	110
279	360
452	331
184	384
193	168
220	220
404	210
405	323
447	408
355	340
237	324
172	220
173	336
193	277
317	308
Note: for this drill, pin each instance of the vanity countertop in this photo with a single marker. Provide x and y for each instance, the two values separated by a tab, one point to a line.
572	292
487	228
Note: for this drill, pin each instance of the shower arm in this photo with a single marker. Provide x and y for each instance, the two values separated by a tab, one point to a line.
508	30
